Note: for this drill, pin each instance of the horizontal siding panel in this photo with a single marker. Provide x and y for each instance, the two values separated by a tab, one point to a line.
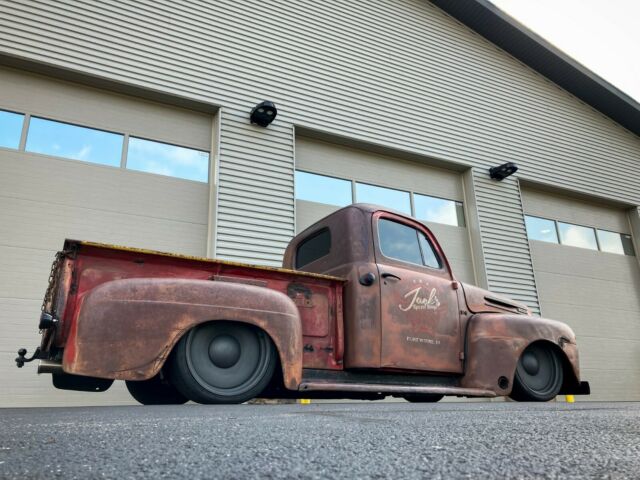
504	240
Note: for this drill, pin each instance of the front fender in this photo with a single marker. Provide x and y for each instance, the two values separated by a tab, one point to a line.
496	341
125	329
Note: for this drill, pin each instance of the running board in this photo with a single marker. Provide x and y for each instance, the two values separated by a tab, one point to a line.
307	386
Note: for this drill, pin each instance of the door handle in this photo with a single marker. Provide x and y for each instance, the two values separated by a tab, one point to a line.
390	275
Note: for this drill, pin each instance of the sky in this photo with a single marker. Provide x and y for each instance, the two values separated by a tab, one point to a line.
604	36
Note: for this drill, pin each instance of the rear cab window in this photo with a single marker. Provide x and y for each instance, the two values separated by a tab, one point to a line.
313	248
407	244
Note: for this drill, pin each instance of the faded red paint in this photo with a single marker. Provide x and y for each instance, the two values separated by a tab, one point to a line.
123	310
126	309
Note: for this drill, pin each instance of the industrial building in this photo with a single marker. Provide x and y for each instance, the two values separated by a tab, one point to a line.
128	123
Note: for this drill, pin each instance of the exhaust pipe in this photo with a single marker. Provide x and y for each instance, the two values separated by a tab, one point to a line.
47	366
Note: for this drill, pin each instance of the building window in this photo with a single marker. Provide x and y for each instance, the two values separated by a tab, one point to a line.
322	189
10	129
313	248
577	236
71	141
317	188
76	142
438	210
164	159
541	229
387	197
613	242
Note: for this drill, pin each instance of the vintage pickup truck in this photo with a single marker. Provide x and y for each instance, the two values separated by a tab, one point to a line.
366	306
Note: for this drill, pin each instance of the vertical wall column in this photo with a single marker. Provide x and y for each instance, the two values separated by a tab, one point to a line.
505	259
255	198
634	220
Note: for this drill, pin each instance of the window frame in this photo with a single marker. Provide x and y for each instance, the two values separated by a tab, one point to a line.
126	135
444	270
595	230
555	229
333	177
22	136
457	204
125	158
73	124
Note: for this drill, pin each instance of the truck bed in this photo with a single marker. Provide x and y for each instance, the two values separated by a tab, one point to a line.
86	265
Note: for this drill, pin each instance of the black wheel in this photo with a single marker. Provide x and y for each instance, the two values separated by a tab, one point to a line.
223	362
424	398
156	391
539	374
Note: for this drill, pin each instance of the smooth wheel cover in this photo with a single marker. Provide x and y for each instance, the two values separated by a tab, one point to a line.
538	375
223	362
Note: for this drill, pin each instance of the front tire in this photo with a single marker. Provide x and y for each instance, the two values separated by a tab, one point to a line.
223	362
539	374
155	391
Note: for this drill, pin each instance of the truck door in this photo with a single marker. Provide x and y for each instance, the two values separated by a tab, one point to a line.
420	321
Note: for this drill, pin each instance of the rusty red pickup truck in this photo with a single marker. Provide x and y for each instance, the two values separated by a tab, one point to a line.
365	306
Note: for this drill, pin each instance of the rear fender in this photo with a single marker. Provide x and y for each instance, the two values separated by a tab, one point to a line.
496	341
126	329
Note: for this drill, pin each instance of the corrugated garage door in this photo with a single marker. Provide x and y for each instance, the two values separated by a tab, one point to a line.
329	176
587	275
83	163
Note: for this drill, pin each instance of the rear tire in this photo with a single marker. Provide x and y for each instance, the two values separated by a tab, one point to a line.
155	391
539	374
425	398
223	362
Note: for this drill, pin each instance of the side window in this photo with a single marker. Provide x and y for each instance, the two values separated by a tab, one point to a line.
428	253
406	244
399	242
313	248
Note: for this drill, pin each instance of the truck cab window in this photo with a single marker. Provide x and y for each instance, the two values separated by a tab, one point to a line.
406	244
428	253
313	248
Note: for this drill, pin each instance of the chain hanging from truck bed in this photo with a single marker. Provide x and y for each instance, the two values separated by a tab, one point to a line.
53	281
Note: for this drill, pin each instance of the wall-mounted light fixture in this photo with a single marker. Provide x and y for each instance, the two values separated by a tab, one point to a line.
503	171
263	113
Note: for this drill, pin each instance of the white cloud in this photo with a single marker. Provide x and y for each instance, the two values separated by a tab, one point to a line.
603	36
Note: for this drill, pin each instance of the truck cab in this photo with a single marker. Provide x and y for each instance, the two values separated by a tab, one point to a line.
404	309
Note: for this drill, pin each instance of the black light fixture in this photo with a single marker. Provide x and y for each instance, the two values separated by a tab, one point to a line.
263	113
503	171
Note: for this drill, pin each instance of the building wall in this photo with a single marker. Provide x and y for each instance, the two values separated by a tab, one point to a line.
397	73
394	73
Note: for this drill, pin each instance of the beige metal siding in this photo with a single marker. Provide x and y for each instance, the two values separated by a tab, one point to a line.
255	192
505	249
44	200
359	165
596	293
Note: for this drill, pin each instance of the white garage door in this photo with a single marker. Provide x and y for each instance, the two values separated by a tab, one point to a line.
587	276
77	162
330	176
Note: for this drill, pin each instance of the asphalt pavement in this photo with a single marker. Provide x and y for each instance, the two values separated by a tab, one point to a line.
362	440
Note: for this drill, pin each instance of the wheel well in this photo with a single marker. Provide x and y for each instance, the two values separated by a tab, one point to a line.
279	367
569	377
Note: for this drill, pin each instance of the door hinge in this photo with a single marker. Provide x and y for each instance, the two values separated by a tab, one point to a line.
461	355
